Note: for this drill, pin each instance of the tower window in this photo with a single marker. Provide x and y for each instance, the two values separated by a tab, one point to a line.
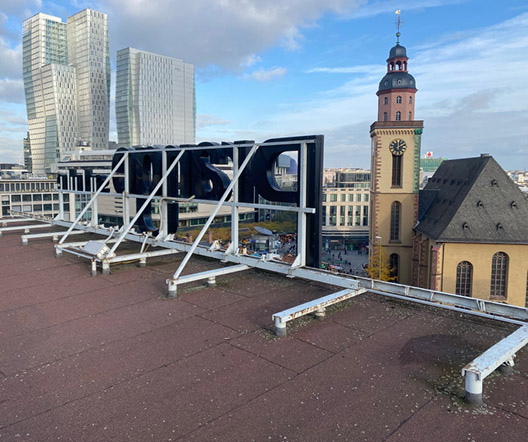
499	274
398	116
410	116
463	278
396	170
410	99
398	99
395	221
385	116
386	101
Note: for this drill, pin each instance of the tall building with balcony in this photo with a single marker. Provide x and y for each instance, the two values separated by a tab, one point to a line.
155	99
66	70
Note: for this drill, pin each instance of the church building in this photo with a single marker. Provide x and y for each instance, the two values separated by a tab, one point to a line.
466	232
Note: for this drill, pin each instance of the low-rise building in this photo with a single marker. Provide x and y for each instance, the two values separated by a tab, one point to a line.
346	208
29	195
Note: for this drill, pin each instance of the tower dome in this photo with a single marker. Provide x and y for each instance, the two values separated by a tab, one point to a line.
397	88
398	51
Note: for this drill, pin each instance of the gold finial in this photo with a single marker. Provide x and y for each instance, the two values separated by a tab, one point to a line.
399	22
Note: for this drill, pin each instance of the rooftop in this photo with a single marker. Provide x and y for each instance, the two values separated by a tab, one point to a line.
109	358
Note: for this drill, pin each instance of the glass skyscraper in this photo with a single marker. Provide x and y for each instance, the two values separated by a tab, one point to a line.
66	69
155	99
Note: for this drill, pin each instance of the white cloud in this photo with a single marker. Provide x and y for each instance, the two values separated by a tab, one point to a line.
11	91
370	9
266	74
205	120
365	69
251	60
229	33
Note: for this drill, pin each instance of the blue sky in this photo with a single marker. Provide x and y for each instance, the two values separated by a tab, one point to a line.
291	67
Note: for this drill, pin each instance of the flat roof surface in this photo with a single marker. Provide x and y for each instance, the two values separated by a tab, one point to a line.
108	358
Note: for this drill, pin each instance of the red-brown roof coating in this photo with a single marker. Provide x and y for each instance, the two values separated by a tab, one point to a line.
109	359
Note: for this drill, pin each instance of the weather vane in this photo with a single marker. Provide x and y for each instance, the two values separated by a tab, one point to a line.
399	22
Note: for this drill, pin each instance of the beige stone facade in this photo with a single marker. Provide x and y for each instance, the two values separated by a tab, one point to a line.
435	267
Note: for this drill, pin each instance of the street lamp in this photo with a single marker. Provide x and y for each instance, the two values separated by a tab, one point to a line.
379	258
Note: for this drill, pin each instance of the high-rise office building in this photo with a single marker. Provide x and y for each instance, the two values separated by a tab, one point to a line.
155	99
66	68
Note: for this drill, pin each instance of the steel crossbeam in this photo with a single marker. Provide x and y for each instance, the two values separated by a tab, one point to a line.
317	305
501	354
54	235
25	228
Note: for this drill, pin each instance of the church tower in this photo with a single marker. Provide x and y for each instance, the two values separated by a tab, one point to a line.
395	164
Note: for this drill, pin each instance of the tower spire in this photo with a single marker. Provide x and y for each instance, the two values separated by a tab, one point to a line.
399	22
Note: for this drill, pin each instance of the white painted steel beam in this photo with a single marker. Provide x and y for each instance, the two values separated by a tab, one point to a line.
54	235
501	353
26	228
210	275
4	222
317	305
143	255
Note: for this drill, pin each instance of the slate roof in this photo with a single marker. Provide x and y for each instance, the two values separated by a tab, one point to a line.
397	80
473	200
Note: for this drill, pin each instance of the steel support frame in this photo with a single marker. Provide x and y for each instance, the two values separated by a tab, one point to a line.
171	282
25	228
93	199
4	222
165	174
317	306
54	235
501	354
210	275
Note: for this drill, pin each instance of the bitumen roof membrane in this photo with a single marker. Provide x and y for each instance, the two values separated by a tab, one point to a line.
109	358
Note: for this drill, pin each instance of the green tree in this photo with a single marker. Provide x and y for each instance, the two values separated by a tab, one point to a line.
373	267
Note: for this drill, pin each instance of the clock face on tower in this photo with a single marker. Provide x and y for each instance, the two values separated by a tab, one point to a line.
397	146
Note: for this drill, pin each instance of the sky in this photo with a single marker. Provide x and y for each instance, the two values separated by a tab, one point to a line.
297	67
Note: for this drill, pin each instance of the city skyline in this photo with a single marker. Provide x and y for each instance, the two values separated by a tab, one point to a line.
297	68
66	70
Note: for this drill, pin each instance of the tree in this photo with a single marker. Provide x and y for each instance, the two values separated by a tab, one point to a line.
373	266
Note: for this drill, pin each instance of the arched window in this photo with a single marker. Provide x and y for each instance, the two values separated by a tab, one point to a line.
410	115
398	65
464	277
396	170
499	275
398	99
392	66
410	99
385	116
386	100
398	116
394	263
395	221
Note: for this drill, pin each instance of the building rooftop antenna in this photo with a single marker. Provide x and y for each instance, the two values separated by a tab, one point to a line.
398	23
